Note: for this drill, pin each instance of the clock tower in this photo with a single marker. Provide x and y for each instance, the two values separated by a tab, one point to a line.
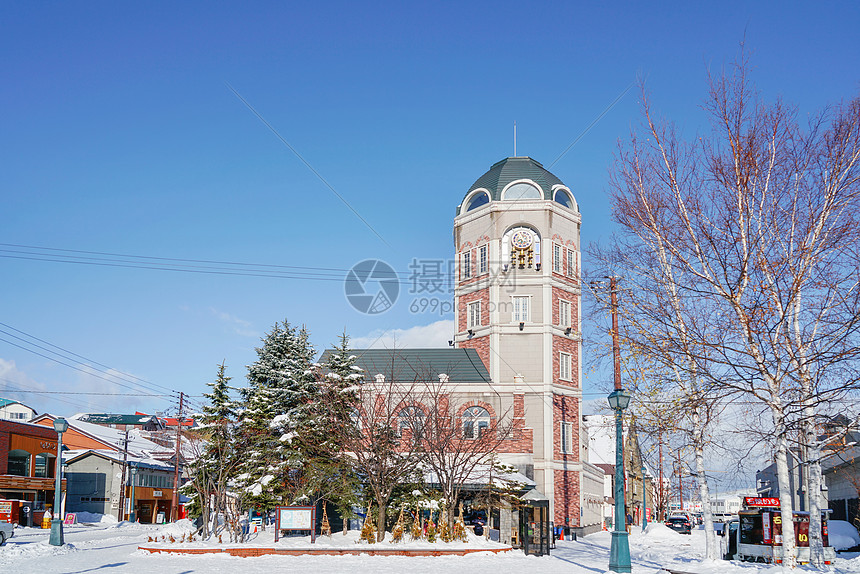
517	303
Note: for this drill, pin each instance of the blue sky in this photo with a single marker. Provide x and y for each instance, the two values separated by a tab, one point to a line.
120	134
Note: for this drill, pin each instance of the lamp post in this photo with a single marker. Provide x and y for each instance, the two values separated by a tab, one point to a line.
644	501
61	426
131	513
619	551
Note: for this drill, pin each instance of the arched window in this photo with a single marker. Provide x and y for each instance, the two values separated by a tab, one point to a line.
562	197
476	421
355	418
523	245
42	465
521	190
19	463
411	418
477	200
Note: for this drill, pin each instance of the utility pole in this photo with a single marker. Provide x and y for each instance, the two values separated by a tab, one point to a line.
616	343
619	399
121	513
174	508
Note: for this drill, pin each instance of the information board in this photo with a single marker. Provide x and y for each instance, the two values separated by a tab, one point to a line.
296	518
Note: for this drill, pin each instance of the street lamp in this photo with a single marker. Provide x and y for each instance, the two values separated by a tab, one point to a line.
644	501
619	551
131	514
61	426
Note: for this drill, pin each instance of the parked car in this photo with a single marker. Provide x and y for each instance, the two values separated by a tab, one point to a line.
679	524
7	531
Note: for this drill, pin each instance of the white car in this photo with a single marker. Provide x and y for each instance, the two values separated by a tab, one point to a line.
7	531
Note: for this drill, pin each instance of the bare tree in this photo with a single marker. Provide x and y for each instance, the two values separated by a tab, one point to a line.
458	438
750	232
380	457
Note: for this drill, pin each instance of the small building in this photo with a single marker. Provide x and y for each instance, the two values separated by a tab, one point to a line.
28	457
11	410
100	481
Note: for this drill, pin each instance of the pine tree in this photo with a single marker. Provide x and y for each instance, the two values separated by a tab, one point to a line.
277	402
215	458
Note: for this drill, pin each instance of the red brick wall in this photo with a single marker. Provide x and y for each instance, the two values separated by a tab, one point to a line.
482	295
9	427
566	498
566	483
481	346
563	344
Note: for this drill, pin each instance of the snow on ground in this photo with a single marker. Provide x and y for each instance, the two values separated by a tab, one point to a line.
842	535
112	548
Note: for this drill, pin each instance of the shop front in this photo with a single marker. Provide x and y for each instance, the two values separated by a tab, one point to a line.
28	464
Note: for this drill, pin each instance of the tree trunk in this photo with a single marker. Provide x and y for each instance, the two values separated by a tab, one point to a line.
380	527
813	489
712	548
789	549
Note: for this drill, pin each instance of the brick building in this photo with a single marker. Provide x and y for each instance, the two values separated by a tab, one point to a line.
517	304
28	461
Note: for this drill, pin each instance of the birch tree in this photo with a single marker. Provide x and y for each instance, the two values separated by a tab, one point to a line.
752	230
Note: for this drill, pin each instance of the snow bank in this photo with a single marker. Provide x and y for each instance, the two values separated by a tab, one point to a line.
659	531
842	534
93	518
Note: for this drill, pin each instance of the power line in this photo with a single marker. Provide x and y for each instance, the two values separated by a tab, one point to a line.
73	354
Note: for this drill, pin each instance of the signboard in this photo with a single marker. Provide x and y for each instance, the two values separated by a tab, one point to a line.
765	524
296	518
758	502
156	493
71	518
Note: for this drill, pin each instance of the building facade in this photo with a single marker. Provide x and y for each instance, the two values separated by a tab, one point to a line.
517	304
28	461
15	411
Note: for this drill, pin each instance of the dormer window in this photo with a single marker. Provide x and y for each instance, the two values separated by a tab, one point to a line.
564	198
477	200
522	190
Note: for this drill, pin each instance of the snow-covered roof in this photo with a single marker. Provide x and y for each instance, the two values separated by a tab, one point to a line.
115	438
132	460
481	475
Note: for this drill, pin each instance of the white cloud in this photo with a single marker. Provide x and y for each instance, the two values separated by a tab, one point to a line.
239	326
421	336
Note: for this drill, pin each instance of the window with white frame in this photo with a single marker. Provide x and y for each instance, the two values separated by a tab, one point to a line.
571	263
564	366
483	261
474	314
556	258
563	313
521	308
467	264
566	437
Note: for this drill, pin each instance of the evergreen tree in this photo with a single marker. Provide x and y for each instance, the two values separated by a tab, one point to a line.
215	462
327	469
281	389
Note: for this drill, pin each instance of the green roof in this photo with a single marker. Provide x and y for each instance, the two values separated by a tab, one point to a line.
113	419
512	169
408	365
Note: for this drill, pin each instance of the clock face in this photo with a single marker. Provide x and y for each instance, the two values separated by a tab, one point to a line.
522	239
